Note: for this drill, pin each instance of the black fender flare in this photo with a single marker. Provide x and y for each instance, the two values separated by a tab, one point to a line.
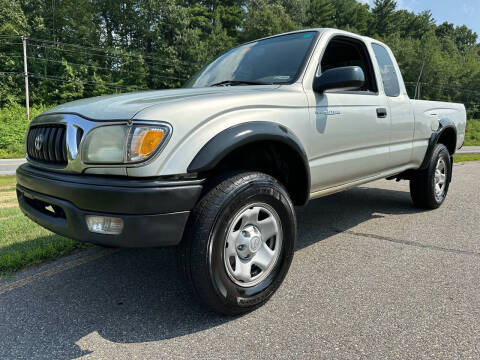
444	124
242	134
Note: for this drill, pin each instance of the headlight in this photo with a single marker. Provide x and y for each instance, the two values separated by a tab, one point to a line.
118	144
105	145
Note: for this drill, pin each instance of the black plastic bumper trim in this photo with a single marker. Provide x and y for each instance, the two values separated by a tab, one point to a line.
113	195
139	230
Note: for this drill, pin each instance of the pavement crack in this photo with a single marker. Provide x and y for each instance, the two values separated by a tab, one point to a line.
407	242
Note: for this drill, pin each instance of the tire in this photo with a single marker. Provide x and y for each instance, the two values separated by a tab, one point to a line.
429	187
215	252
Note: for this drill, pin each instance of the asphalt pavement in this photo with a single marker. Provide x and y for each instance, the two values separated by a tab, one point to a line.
9	166
469	149
372	278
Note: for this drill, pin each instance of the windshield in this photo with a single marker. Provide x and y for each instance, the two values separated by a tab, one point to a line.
276	60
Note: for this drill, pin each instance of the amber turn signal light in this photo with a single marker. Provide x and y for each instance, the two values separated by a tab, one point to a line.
145	140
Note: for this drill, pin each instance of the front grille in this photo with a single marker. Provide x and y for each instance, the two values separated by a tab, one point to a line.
46	143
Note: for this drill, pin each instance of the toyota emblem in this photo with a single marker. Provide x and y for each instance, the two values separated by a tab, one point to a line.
39	142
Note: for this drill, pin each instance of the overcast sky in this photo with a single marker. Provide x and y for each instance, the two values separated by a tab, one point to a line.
459	12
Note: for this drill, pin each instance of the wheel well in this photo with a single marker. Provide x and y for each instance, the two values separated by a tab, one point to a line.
273	158
448	138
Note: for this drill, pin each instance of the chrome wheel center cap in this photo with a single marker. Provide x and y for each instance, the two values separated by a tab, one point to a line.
249	241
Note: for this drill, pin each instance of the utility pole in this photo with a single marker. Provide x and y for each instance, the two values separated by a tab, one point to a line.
25	68
417	88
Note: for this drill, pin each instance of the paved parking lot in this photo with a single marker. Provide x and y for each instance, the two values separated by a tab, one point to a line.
372	278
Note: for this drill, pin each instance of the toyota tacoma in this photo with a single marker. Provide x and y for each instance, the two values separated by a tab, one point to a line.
217	167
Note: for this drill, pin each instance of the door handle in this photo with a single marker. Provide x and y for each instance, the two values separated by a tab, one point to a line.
381	112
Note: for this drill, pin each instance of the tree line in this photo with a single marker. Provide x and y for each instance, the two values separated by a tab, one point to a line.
86	48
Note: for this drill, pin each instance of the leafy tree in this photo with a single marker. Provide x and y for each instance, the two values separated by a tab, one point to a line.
71	88
76	29
412	25
133	72
384	17
12	18
463	37
12	24
264	19
321	13
229	18
298	10
352	16
100	87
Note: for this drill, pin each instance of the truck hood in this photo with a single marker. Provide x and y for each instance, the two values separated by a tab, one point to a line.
125	106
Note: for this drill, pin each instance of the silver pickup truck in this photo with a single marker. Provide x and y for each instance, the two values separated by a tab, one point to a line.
217	166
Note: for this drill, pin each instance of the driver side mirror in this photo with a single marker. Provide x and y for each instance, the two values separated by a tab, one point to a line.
342	78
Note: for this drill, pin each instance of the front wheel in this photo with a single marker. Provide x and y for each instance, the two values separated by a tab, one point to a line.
429	187
239	243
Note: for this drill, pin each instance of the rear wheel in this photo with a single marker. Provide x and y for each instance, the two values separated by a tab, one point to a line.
239	243
429	187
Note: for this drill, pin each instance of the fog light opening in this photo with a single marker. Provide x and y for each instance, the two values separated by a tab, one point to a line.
104	224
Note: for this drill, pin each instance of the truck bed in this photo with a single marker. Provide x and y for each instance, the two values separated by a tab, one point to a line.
429	113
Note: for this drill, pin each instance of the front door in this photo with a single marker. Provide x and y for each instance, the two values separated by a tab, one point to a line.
351	128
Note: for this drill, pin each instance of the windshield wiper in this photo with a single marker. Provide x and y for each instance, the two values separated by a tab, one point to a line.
239	82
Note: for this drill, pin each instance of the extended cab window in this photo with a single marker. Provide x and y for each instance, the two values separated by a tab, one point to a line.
389	75
343	51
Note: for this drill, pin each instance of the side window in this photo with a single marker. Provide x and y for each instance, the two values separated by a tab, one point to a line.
343	51
389	75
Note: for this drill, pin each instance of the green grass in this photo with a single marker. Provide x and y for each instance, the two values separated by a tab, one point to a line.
22	242
7	181
472	133
466	157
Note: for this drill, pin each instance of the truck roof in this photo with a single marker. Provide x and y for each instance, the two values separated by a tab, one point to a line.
321	30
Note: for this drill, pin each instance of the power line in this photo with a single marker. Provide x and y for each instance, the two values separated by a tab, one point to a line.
440	86
55	44
119	53
133	54
155	76
158	61
11	73
65	80
10	37
10	43
156	73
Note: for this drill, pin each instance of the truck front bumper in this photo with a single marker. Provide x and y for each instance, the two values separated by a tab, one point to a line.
154	212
